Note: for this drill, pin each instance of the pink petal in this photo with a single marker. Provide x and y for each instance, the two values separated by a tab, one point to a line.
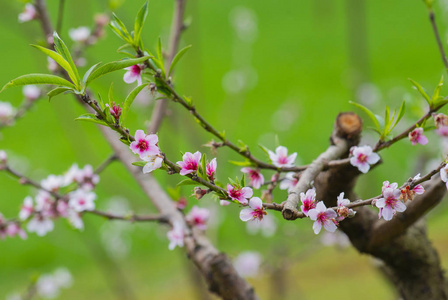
388	213
317	226
330	226
247	192
256	203
246	214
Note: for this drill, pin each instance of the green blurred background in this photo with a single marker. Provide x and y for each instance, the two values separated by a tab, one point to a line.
258	69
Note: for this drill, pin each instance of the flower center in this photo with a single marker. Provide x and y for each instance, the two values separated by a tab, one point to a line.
258	213
82	201
191	165
283	160
135	69
143	145
362	158
391	201
236	194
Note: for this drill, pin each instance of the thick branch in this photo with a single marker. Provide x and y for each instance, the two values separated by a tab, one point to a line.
345	134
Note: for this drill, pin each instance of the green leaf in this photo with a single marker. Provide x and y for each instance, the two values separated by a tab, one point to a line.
140	163
138	25
91	118
120	29
265	150
114	66
369	113
188	182
204	164
59	60
435	95
241	163
177	58
243	180
89	71
422	91
62	49
38	79
57	91
400	115
129	100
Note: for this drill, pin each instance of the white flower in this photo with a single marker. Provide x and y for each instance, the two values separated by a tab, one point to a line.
248	263
81	200
7	112
363	157
40	225
154	162
28	14
80	34
31	92
176	236
281	159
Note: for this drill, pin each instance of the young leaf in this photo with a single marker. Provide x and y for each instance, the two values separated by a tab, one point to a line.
120	29
421	91
138	25
435	95
59	60
114	66
89	71
241	163
38	79
91	118
204	164
129	100
139	163
243	180
369	113
57	91
187	182
400	114
177	58
62	49
159	60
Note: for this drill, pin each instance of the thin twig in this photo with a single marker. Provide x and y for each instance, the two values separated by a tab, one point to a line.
60	15
432	19
106	163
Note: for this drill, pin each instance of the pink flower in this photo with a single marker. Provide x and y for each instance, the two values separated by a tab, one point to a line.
26	209
211	169
444	175
115	110
442	130
52	64
390	204
255	212
13	229
247	264
52	183
308	201
289	182
198	217
440	119
80	34
343	210
239	194
416	137
81	200
85	177
321	215
388	185
154	162
256	178
189	163
3	157
145	144
28	14
408	194
134	73
176	236
74	218
7	112
31	92
281	159
40	225
44	204
224	202
363	157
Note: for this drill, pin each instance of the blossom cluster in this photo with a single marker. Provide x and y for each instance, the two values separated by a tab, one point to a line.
49	285
147	148
48	204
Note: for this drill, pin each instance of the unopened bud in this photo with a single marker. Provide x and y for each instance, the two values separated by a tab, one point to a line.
198	193
343	211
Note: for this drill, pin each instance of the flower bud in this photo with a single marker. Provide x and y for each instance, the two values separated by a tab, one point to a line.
198	193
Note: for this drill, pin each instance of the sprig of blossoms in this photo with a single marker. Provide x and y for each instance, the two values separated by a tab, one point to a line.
308	201
146	146
240	194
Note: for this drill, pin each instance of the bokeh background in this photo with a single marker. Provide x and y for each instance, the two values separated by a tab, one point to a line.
263	71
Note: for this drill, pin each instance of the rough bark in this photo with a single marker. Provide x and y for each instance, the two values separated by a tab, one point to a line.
412	263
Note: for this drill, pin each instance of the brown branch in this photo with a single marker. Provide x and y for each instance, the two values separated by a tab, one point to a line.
130	217
385	231
45	21
345	134
432	19
177	28
105	164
